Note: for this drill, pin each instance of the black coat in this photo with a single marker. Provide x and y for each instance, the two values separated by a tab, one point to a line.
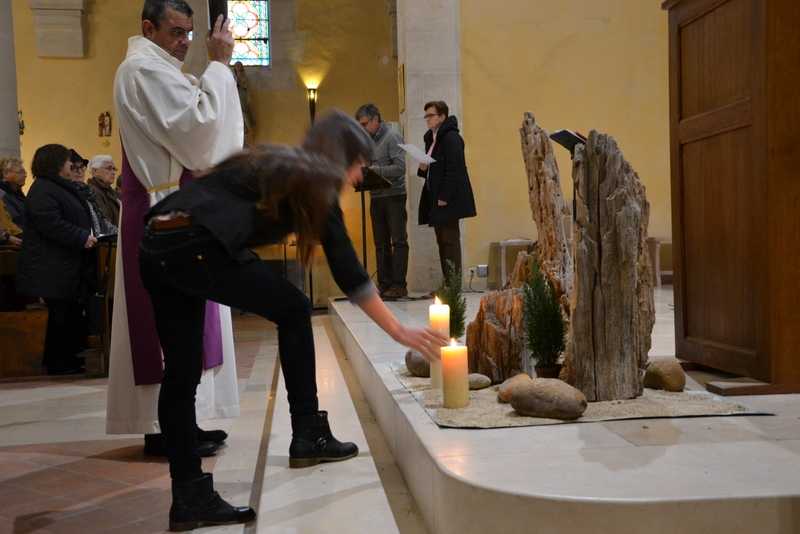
447	178
53	262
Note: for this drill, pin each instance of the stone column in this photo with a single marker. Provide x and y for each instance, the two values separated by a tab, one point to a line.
429	48
9	133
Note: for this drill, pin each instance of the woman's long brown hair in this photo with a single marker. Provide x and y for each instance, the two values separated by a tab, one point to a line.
305	180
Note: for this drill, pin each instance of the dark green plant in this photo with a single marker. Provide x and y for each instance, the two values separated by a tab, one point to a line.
449	292
545	331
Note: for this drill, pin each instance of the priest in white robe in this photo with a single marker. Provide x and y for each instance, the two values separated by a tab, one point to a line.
170	129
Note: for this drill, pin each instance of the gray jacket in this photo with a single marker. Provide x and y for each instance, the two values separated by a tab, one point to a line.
390	161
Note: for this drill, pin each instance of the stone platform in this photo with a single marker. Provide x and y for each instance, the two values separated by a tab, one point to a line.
732	474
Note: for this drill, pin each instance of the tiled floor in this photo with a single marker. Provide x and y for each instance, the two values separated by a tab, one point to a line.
60	472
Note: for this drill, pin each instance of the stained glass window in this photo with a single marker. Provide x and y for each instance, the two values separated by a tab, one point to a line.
250	26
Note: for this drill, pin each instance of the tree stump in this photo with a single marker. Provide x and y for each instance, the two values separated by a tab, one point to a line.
612	298
495	342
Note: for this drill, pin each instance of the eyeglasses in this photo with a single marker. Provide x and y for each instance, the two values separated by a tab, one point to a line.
363	124
109	169
179	35
22	171
77	168
429	115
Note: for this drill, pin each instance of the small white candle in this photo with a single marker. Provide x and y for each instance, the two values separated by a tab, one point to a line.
439	316
455	378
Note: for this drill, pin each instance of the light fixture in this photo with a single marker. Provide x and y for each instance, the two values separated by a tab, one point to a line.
312	102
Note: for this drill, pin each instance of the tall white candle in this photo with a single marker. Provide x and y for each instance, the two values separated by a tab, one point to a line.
455	378
439	316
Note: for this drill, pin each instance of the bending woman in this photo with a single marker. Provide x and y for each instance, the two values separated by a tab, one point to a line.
196	248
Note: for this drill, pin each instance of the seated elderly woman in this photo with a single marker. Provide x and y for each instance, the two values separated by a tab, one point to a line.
103	172
58	261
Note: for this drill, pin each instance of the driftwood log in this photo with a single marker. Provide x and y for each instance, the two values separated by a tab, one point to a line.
547	207
612	298
495	342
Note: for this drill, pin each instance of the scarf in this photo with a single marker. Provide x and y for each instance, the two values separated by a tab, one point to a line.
87	195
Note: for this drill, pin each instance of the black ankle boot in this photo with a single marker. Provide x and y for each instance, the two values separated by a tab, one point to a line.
154	446
312	442
195	504
217	436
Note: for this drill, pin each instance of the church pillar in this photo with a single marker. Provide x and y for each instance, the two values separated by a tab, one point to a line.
429	51
9	132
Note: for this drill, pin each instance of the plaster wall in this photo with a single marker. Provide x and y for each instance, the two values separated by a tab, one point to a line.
578	65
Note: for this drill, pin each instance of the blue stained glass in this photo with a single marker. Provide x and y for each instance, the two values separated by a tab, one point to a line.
250	26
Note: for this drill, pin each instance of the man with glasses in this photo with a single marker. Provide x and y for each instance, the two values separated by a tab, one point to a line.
170	129
13	179
103	172
387	207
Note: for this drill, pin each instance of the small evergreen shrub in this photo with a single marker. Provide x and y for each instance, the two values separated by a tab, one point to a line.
449	292
545	331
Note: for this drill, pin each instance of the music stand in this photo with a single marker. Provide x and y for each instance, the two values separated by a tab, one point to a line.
569	140
372	181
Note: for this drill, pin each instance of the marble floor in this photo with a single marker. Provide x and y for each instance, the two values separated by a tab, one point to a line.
60	473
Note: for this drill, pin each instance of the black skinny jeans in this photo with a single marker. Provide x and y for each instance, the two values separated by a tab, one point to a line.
181	269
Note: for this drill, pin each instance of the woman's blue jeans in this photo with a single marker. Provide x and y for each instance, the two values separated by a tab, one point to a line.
181	269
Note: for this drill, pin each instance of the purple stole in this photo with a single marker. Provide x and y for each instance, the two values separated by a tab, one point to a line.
145	348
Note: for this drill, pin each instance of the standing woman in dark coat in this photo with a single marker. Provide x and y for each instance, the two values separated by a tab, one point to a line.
58	262
447	195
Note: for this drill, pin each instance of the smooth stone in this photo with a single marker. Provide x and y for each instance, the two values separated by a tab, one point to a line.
504	393
479	381
417	364
548	397
666	374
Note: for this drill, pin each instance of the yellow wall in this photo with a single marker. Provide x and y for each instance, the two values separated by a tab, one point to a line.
578	65
348	48
61	98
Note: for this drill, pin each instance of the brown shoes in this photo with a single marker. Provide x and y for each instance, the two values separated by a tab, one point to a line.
395	292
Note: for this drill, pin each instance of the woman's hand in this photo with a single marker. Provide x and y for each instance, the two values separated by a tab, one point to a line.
90	242
423	339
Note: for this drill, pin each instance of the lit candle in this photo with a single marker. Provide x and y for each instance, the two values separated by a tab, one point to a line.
439	315
455	379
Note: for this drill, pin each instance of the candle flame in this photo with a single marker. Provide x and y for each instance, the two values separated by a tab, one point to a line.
437	301
453	342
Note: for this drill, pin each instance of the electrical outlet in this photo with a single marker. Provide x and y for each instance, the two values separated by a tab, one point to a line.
472	271
483	271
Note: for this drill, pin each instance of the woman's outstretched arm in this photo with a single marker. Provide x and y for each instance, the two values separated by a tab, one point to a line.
420	338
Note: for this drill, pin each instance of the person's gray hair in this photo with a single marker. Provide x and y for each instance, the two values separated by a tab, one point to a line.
156	10
98	161
369	111
7	163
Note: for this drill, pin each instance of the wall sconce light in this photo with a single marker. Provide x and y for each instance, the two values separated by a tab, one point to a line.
312	102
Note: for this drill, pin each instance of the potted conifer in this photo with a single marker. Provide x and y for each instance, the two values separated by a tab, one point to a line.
544	328
449	292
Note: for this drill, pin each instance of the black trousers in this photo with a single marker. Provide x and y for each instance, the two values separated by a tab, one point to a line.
181	269
389	219
448	237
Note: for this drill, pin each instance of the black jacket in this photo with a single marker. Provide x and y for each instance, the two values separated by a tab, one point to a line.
53	262
15	202
228	211
447	178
